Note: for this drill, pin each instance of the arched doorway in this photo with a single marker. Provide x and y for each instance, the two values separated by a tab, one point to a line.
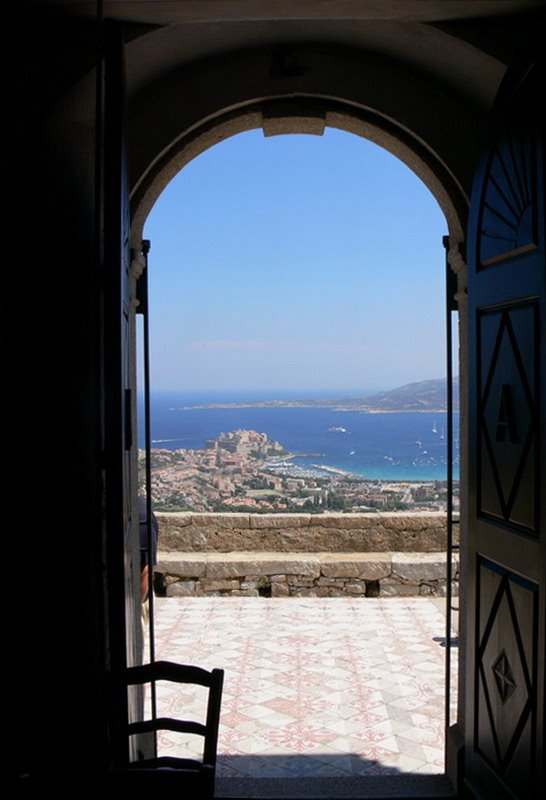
289	118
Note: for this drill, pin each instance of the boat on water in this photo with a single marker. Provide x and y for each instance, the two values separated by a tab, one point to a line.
337	430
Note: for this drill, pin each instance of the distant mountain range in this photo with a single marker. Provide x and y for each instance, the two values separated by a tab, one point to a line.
428	395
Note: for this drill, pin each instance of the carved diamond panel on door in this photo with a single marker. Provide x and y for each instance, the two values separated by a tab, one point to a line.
508	453
507	627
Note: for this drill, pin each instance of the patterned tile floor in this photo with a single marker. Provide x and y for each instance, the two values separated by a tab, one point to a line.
313	687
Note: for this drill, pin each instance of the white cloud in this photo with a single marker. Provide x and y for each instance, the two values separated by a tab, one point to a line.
216	345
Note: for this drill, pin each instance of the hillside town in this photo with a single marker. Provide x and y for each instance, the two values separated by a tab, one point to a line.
244	471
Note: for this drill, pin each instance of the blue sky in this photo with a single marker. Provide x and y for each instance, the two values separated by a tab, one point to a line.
295	263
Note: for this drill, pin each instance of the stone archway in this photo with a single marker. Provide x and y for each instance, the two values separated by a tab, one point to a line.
306	116
311	115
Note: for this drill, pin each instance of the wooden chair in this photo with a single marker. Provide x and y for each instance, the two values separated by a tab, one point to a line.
194	777
159	778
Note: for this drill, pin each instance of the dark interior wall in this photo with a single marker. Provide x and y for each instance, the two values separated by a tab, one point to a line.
444	127
55	656
52	311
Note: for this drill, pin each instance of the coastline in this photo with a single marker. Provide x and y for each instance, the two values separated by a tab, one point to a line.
290	404
285	464
337	471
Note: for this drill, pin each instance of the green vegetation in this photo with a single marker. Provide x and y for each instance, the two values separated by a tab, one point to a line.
336	501
389	504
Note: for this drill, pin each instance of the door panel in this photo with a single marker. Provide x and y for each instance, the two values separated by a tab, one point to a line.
506	568
121	528
508	218
506	646
508	451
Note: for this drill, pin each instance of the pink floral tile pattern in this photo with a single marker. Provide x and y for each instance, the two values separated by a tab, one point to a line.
313	687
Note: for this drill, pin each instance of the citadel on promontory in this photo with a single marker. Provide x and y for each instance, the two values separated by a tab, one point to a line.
246	444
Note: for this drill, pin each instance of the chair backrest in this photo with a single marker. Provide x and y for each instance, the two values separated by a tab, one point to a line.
166	778
186	674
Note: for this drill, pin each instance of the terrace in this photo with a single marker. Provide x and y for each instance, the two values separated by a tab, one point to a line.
334	687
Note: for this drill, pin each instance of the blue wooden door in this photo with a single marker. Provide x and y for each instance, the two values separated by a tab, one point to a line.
505	624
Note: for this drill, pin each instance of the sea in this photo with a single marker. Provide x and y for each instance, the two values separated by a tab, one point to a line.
394	446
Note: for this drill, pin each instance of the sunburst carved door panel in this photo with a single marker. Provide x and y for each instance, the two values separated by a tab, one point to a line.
508	221
506	568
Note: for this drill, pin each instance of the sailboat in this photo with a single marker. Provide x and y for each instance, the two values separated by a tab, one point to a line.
434	428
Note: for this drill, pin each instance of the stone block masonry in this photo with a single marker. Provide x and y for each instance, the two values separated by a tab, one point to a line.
303	575
303	533
338	555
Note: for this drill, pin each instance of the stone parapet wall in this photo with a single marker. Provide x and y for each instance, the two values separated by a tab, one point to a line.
254	574
303	533
298	555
